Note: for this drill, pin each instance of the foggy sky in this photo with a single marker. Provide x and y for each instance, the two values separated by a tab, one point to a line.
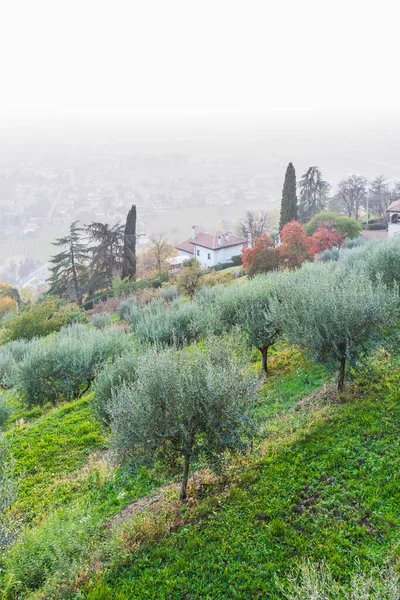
197	57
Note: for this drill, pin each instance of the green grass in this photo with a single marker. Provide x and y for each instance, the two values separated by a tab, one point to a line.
327	490
320	483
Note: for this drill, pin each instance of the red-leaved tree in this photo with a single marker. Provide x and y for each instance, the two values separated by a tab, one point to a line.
295	246
263	257
326	238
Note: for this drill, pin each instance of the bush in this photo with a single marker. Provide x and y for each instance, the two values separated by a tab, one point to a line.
11	356
346	227
51	552
354	243
102	320
188	280
42	318
186	404
379	259
109	379
168	293
64	367
214	278
8	493
7	305
330	255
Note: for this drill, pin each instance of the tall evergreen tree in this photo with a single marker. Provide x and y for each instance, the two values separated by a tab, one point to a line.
289	198
313	194
106	254
69	268
129	255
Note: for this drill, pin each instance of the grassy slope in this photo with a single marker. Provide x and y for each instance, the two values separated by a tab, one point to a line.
311	488
328	490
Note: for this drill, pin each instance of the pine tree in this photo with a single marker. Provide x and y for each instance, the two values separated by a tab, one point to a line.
129	254
69	266
313	194
289	198
106	254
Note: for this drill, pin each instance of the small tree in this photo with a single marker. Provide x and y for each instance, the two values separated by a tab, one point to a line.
160	250
261	258
295	247
129	250
188	280
326	239
334	313
289	198
185	405
259	326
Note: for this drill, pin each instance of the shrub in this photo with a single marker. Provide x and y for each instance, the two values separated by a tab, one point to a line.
349	244
11	356
51	552
217	278
8	493
64	367
42	318
188	280
185	404
261	258
380	259
109	379
168	293
330	255
102	320
346	227
125	306
7	305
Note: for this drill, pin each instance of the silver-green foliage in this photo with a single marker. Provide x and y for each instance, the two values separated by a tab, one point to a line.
8	492
186	404
114	374
380	259
64	365
11	357
334	312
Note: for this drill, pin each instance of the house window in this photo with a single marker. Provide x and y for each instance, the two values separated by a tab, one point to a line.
209	256
198	252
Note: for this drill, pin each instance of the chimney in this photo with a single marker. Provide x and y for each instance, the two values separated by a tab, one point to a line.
229	237
194	231
220	240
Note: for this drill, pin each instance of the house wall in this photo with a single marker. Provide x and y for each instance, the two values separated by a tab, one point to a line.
221	255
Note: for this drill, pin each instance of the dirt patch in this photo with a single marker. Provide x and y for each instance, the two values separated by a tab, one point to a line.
326	395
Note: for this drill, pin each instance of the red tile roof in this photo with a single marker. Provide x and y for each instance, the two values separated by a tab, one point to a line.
394	207
186	246
206	240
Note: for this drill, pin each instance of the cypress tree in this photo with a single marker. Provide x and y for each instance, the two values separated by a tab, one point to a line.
289	198
129	261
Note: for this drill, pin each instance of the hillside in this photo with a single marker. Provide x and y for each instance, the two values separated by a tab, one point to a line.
321	483
241	442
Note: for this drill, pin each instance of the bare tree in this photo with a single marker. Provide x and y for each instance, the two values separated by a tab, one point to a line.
352	194
160	250
379	196
252	226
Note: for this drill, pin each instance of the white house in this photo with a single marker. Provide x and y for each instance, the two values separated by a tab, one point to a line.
394	219
211	250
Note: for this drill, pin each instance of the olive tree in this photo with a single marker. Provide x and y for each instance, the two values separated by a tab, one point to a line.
185	405
334	313
260	327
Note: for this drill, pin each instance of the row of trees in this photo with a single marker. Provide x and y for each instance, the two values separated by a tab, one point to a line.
298	243
353	194
92	256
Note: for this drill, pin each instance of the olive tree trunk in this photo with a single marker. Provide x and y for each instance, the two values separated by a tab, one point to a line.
185	477
264	358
